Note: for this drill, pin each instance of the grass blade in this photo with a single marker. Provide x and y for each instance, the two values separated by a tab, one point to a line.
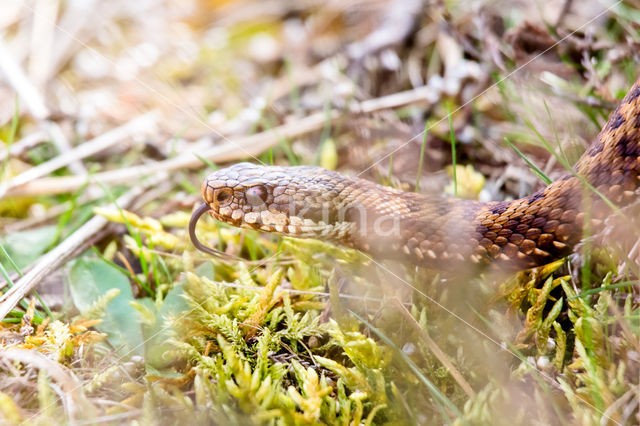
435	392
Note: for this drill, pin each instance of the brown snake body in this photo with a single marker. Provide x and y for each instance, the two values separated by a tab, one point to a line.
433	232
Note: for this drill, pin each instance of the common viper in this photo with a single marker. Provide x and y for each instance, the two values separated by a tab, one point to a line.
438	233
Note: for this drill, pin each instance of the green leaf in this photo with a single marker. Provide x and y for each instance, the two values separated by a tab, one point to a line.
146	311
91	278
174	305
27	246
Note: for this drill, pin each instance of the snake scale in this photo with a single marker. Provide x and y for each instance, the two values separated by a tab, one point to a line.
436	232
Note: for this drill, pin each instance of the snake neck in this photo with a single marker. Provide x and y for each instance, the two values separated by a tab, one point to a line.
434	232
534	230
612	162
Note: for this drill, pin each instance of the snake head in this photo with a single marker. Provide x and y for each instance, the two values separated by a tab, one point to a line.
298	201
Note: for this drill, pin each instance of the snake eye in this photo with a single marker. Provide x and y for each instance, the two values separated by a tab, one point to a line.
256	195
223	196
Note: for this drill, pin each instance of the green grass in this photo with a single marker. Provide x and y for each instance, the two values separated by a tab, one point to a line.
421	159
259	352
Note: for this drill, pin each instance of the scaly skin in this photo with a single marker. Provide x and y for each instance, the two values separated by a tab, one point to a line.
437	233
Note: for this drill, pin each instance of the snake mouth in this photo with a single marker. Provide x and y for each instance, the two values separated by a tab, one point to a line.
206	208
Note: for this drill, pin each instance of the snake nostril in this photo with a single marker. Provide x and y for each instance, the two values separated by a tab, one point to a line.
223	196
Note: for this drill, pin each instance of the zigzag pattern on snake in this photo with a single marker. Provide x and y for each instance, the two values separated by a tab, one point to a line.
437	232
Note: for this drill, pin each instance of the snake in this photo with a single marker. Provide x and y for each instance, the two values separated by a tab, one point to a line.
435	232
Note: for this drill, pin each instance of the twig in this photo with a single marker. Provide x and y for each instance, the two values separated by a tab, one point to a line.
234	150
398	21
13	276
12	12
23	144
75	401
435	349
60	254
77	17
33	221
35	104
423	94
45	13
19	81
83	150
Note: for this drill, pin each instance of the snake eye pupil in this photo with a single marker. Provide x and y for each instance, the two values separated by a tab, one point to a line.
223	196
256	195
